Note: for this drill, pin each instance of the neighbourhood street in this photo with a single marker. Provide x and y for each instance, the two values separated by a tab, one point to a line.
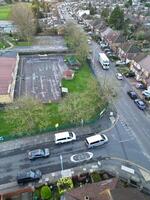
129	137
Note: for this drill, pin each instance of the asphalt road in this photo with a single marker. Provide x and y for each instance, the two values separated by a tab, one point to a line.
122	143
137	120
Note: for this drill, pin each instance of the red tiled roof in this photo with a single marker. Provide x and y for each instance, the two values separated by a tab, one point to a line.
68	73
94	191
7	66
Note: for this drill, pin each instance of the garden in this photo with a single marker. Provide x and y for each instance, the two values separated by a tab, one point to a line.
57	189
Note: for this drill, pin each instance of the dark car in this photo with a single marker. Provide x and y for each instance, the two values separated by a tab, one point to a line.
28	176
38	153
140	104
132	94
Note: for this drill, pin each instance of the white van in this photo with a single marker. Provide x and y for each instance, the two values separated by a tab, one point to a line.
96	140
64	137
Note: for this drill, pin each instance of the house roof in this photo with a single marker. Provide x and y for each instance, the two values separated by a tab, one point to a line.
95	191
7	66
145	63
139	57
121	38
112	36
107	31
110	189
134	49
125	46
68	73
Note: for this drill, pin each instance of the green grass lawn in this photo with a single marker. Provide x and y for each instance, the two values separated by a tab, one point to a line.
23	43
5	129
78	84
5	12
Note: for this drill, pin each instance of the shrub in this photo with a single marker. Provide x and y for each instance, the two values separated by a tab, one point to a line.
46	193
64	184
36	194
95	177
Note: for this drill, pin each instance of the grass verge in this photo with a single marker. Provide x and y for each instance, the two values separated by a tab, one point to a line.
5	12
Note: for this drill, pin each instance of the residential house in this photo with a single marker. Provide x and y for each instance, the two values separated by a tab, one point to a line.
110	36
141	66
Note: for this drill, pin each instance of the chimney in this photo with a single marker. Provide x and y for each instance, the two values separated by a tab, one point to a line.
86	198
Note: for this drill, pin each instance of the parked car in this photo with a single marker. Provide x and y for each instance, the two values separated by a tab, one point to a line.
140	104
89	42
64	137
28	176
141	86
146	93
107	50
110	54
1	138
133	95
119	76
38	153
103	45
120	62
96	140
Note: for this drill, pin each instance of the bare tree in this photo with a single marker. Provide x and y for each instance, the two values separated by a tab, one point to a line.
77	40
82	106
23	17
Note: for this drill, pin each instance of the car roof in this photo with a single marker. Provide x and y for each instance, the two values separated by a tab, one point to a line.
132	92
61	135
119	74
25	174
36	151
140	101
94	138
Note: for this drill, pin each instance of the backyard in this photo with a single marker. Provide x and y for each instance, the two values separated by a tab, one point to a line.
5	12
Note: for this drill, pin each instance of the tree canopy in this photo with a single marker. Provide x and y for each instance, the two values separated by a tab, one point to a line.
116	19
83	106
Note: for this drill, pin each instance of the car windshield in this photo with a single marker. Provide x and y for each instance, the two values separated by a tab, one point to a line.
31	174
103	137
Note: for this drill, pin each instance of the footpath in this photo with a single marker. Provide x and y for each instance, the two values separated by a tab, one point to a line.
104	123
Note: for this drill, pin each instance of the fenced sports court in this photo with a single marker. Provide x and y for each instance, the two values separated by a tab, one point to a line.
39	76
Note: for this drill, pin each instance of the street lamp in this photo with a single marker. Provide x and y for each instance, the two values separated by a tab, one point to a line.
61	162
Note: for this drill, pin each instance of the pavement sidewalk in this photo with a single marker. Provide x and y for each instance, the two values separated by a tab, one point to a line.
101	124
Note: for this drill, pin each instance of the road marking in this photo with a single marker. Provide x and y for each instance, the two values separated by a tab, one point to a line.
81	157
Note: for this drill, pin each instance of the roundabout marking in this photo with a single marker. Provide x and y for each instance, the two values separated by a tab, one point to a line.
80	157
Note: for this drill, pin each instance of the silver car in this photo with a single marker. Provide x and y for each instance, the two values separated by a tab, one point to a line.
38	153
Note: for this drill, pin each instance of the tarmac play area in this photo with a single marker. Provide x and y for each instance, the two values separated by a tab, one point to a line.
40	76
